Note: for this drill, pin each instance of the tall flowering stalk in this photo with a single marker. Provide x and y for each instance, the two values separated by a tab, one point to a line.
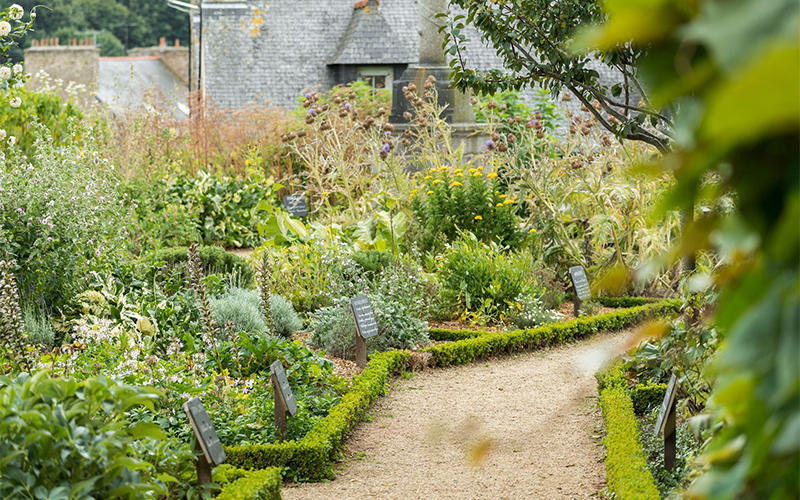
264	276
195	267
12	339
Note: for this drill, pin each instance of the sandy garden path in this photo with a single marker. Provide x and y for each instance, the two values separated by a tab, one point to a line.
521	427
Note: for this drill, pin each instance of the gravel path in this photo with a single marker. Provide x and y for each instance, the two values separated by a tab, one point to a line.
510	428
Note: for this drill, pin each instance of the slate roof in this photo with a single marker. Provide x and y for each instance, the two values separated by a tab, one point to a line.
370	39
125	82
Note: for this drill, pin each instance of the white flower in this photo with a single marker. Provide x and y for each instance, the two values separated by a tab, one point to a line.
15	102
17	69
2	135
33	16
5	72
5	28
12	140
15	12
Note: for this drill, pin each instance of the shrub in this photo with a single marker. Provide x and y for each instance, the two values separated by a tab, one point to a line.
43	106
451	200
241	307
60	217
38	326
528	311
66	439
284	317
263	484
479	278
372	262
334	329
626	467
215	260
647	396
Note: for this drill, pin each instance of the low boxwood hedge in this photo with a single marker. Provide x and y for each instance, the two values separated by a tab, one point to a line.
626	466
620	302
262	484
646	396
475	345
312	458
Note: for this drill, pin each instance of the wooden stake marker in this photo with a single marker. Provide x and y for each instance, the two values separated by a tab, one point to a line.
207	440
284	398
580	287
366	326
295	204
666	423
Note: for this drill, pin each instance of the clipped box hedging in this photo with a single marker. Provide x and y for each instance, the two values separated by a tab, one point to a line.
620	302
626	466
646	396
447	335
482	344
262	484
312	458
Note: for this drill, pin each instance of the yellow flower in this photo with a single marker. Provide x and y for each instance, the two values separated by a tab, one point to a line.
458	170
472	170
491	175
478	217
499	204
477	174
414	191
459	174
429	192
532	230
432	169
456	183
480	168
172	131
508	202
324	193
502	196
248	162
437	181
427	177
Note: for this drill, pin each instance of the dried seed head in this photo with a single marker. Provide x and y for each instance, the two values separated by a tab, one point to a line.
306	104
606	140
309	119
291	136
407	115
511	138
325	126
585	130
537	115
509	120
502	147
584	108
537	125
301	133
540	134
504	106
419	102
518	119
409	96
381	112
473	101
284	138
325	107
412	87
428	85
577	164
388	127
572	129
566	96
405	142
495	137
384	154
342	114
431	78
491	105
352	95
337	100
596	104
408	133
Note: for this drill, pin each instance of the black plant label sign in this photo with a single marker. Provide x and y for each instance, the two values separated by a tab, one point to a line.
580	283
365	317
283	386
666	405
204	431
295	204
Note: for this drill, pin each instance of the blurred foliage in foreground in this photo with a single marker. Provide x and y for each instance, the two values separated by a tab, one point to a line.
732	70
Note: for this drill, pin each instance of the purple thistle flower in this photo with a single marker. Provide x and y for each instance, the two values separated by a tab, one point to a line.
307	95
312	112
489	144
386	148
347	105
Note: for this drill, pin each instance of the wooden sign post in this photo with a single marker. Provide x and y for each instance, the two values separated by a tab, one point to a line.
666	423
284	398
207	440
295	204
580	287
366	326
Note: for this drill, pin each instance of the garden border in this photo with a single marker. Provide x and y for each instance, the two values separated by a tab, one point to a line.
627	474
312	458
